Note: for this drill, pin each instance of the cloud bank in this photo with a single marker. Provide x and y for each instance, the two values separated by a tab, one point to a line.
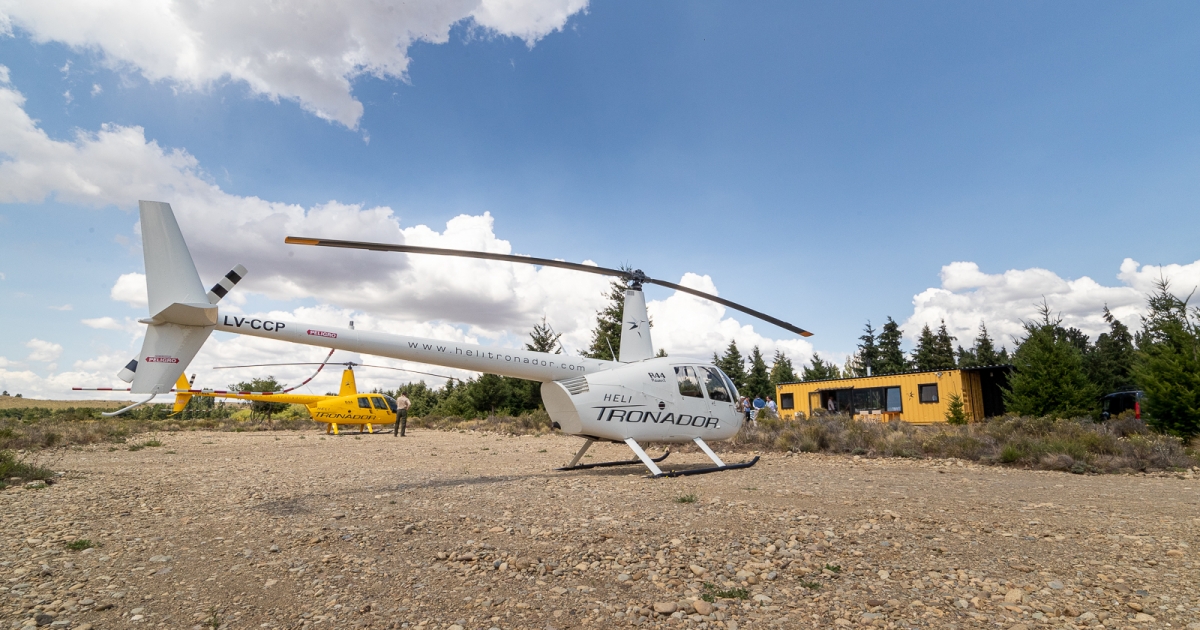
309	51
968	296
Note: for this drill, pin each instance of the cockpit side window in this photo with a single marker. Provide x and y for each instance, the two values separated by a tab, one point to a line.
364	402
715	384
378	402
391	403
689	384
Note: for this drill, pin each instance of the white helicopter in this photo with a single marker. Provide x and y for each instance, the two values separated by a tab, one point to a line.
636	399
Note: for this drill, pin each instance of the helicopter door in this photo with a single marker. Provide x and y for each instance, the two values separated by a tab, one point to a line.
691	396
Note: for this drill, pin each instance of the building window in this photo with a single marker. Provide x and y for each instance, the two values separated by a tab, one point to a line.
894	400
787	401
928	393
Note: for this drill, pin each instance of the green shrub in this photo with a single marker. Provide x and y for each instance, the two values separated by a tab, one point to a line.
11	465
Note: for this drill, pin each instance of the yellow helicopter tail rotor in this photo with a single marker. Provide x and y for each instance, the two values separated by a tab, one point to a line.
181	394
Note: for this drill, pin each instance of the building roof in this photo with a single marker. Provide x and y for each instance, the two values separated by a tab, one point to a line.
855	378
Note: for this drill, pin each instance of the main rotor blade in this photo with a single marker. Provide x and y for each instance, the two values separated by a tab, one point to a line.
462	253
734	305
529	260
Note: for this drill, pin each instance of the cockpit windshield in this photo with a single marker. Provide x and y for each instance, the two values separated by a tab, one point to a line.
716	384
391	403
731	388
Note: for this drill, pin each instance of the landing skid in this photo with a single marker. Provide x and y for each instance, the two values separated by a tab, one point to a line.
627	462
704	471
652	463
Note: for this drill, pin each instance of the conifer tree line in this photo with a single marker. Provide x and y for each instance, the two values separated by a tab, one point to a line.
1058	371
879	351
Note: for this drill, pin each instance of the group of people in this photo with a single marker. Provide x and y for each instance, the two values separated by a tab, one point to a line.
750	408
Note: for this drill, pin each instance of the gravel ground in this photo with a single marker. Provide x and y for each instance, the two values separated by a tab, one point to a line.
451	530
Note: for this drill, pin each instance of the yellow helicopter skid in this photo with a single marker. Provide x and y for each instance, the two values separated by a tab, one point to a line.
331	428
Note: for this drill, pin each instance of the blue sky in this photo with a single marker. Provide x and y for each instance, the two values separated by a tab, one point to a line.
824	162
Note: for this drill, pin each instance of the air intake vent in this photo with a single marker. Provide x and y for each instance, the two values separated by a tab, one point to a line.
577	385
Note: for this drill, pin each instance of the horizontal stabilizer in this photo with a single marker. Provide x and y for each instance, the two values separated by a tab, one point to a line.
166	353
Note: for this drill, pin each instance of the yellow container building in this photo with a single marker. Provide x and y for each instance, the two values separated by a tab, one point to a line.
916	397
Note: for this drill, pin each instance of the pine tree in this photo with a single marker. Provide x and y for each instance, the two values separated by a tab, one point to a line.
606	336
489	393
543	338
662	352
891	358
758	381
527	395
956	412
781	370
944	349
820	370
867	358
924	355
1168	363
985	350
1110	364
733	365
1079	339
934	351
966	358
1049	379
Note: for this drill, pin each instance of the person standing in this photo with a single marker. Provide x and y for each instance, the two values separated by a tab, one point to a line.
402	404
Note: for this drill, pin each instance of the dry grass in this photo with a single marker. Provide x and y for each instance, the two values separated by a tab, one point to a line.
43	427
12	402
1122	444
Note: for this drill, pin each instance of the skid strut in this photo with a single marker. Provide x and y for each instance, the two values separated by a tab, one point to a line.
575	465
720	465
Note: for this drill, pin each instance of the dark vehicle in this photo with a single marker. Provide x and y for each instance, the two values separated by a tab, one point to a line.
1117	402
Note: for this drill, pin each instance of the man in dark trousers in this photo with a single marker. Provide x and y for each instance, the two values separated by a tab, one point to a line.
402	403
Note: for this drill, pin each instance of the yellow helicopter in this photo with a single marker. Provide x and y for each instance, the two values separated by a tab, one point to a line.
348	407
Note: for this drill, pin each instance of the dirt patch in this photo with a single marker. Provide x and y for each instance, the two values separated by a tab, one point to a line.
294	529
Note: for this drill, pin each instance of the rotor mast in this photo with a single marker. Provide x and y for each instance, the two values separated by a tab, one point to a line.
635	323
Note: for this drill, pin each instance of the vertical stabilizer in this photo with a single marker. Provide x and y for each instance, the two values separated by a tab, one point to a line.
635	328
349	388
171	276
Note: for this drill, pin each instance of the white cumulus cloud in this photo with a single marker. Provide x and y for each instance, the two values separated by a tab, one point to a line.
691	326
130	288
43	351
968	296
309	51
